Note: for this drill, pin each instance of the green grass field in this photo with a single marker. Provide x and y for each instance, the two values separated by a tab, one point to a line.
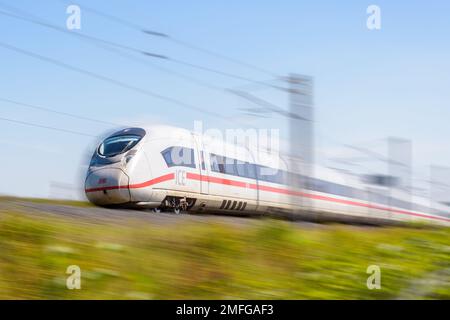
217	259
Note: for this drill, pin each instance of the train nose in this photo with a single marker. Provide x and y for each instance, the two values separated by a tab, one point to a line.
107	186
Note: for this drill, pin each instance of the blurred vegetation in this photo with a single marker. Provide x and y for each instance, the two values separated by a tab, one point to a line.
217	259
73	203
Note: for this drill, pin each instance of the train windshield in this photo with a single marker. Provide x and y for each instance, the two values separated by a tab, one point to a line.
118	144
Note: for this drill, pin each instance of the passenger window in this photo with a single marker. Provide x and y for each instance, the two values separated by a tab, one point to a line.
264	173
216	163
221	164
167	157
251	171
179	156
230	166
241	168
202	160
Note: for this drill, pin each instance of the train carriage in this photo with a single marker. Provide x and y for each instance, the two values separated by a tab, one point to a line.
166	168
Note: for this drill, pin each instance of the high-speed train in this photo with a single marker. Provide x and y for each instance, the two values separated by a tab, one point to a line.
173	169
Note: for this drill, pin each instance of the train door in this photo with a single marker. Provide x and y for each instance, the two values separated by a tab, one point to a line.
203	165
204	170
252	167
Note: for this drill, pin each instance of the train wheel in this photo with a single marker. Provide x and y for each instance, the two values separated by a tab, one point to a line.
177	210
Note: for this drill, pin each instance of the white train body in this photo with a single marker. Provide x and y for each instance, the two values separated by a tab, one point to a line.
171	168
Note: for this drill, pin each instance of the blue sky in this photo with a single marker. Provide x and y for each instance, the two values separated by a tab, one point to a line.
368	84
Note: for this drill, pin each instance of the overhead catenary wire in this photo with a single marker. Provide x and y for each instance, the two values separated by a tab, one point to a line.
75	116
108	44
35	20
140	28
31	124
109	80
223	73
267	105
25	16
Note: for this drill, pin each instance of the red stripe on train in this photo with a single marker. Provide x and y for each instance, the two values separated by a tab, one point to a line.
148	183
160	179
306	195
240	184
